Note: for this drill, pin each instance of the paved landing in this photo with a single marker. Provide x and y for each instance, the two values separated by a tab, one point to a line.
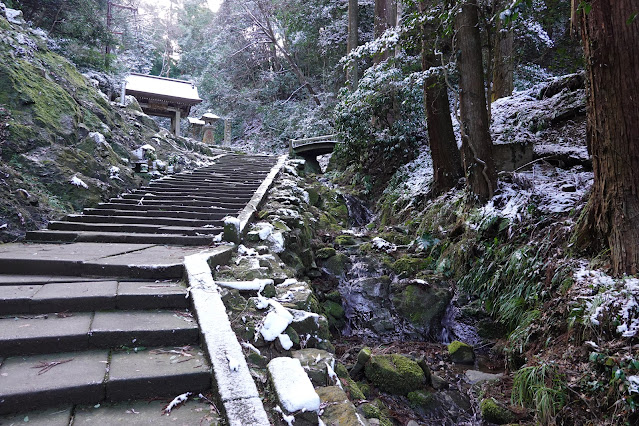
144	261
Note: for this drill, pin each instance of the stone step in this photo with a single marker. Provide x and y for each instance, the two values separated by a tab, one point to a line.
161	201
195	192
52	236
173	207
95	259
130	413
180	196
51	333
92	377
167	221
212	215
227	184
74	296
133	228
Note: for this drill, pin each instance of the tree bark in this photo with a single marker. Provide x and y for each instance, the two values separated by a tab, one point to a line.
503	63
611	218
446	157
353	24
476	144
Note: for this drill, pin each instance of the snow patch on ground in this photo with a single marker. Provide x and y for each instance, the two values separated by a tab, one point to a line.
78	182
615	301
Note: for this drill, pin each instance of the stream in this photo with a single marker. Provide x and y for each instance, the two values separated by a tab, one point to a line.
369	293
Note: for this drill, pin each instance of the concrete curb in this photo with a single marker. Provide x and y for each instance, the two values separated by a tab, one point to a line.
234	386
247	215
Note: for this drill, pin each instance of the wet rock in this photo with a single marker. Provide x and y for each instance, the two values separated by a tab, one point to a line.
437	382
314	362
475	376
451	405
568	187
420	398
395	374
339	410
492	412
461	353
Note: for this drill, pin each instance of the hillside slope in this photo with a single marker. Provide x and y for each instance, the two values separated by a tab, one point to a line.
63	145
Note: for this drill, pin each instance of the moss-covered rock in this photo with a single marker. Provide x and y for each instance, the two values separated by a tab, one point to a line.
333	309
395	374
344	240
336	265
492	412
325	253
339	410
461	352
423	306
409	266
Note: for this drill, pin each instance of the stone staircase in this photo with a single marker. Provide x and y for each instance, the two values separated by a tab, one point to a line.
100	330
185	209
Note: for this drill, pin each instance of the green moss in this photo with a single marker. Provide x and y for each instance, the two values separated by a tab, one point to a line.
395	374
365	388
371	411
420	398
494	413
422	305
333	309
409	266
344	240
25	87
461	352
336	265
341	370
325	252
340	212
366	248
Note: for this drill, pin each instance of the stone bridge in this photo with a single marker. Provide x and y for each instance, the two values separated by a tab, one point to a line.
310	148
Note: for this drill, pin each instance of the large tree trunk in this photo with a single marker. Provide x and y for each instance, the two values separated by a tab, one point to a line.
446	157
353	24
610	47
476	144
385	17
503	63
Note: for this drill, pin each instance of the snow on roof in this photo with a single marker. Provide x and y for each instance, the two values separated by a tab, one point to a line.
161	86
193	120
210	116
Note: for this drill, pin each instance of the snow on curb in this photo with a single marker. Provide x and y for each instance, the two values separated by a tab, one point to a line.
247	214
232	378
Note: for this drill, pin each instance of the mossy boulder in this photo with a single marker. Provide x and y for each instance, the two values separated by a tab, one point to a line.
492	412
461	353
333	309
422	305
409	266
344	240
336	265
339	410
325	253
395	374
